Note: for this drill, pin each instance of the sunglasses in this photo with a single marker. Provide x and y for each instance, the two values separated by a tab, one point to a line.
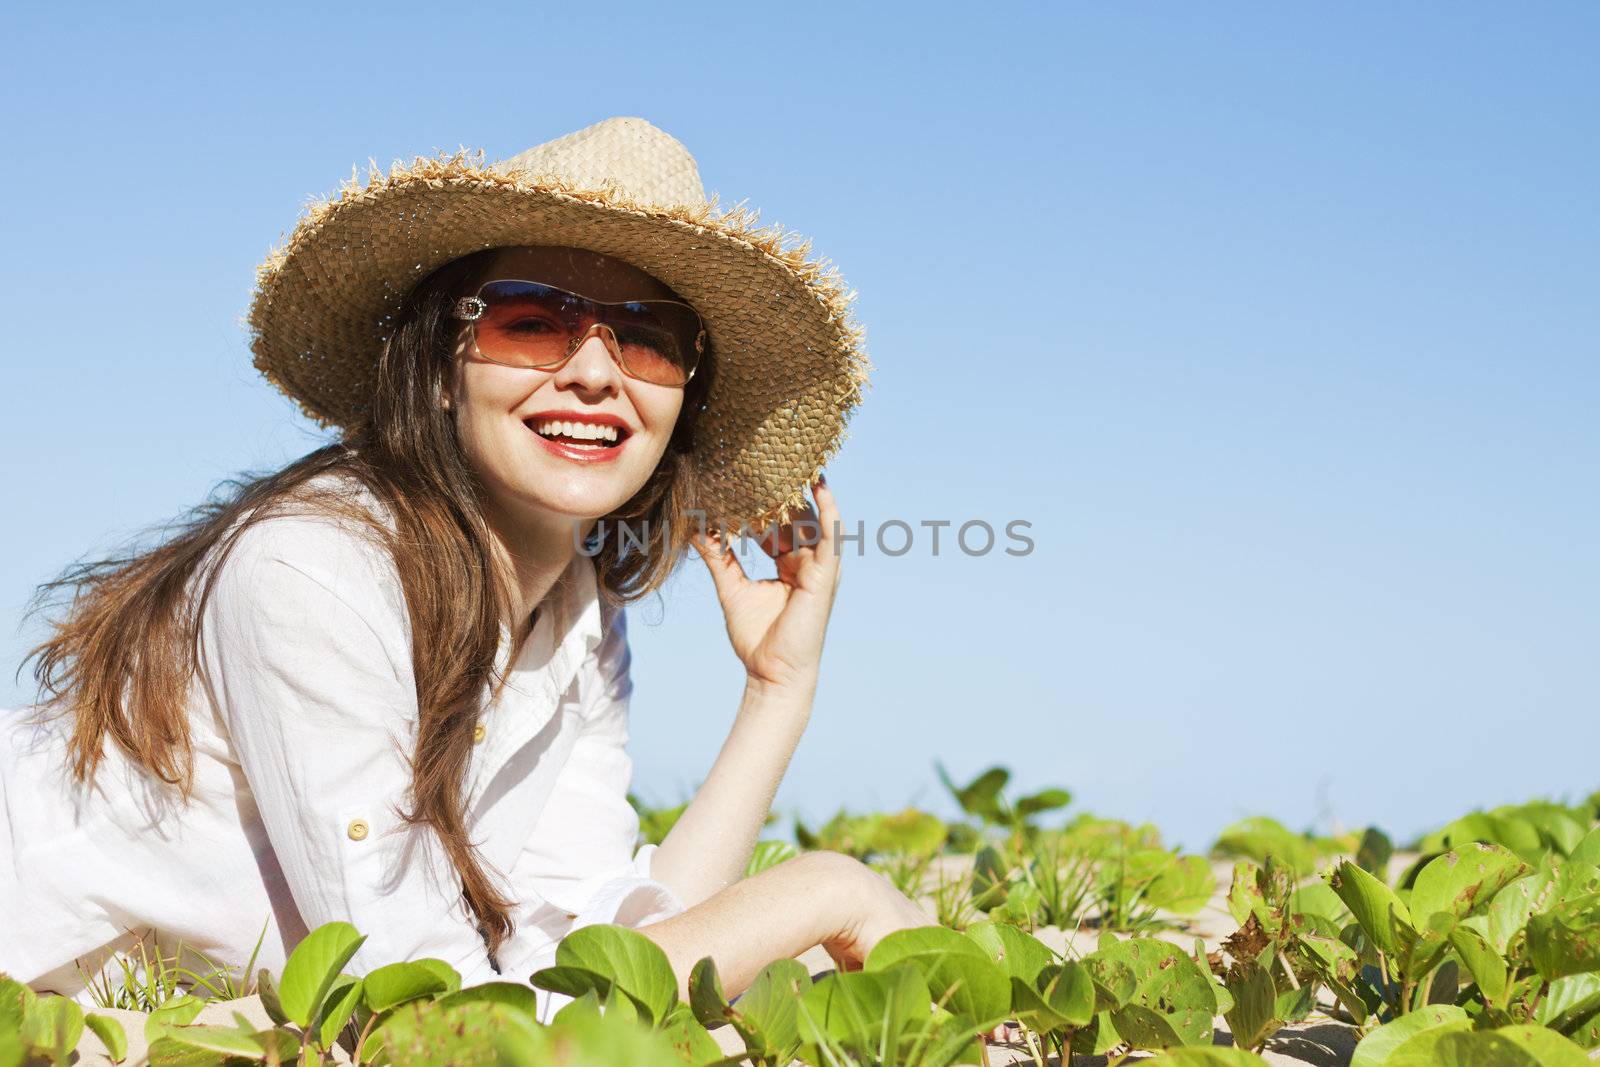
520	323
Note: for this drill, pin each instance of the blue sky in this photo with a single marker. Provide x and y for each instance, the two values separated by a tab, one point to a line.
1278	323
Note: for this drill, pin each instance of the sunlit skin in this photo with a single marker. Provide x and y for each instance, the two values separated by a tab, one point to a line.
775	626
535	498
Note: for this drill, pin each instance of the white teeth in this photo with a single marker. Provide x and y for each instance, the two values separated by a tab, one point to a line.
588	431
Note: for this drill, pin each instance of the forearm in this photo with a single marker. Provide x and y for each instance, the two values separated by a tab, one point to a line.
710	846
778	914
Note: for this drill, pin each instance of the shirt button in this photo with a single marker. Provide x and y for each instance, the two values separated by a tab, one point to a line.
358	829
479	732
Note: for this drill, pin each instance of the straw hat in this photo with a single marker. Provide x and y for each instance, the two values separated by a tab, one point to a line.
791	365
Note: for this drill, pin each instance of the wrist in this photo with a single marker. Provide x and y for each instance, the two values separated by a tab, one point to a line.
792	696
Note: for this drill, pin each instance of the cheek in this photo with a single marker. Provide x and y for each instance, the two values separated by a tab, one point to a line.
483	406
658	409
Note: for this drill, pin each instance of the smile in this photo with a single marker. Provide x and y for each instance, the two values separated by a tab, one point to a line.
583	440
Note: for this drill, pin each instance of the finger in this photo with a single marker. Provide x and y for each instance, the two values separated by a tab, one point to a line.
726	571
800	531
828	519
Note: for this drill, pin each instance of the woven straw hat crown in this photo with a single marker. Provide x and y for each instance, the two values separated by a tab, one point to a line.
790	360
643	162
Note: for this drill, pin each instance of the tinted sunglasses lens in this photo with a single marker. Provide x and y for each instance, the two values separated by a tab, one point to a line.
657	338
525	324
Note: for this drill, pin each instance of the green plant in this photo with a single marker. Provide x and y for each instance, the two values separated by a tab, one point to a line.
1486	949
152	980
984	798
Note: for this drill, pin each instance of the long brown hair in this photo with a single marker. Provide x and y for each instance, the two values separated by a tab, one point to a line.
119	662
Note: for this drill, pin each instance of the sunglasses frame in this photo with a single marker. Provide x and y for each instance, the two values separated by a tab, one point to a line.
470	309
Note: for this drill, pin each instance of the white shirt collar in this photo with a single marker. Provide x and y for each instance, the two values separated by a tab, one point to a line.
567	627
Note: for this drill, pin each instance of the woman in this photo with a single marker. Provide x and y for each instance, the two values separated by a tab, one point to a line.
389	683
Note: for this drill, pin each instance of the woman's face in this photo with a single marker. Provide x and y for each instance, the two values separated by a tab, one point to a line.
505	414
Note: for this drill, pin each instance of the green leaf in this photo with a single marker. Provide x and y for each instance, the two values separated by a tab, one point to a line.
1146	1028
337	1008
1210	1057
1114	984
693	1042
1259	838
765	1018
1511	908
707	1001
424	1034
1571	1006
1098	1038
285	1041
618	1005
267	990
1023	904
1169	984
1061	997
1254	1016
990	876
313	967
1558	827
581	1007
1547	1049
110	1033
1020	954
513	995
980	797
1042	801
1487	967
954	966
1318	898
168	1052
636	964
1586	853
911	832
445	973
1244	893
399	983
1374	853
223	1039
1293	1005
854	1008
14	1000
1510	832
572	981
179	1011
1376	1049
1566	939
1463	882
1383	918
768	1007
1510	1046
53	1024
1184	887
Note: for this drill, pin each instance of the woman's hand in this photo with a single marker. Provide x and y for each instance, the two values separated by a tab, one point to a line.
877	910
776	625
874	910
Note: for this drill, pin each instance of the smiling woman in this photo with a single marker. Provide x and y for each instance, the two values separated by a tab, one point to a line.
389	683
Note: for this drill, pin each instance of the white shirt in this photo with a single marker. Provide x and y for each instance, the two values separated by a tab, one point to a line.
303	714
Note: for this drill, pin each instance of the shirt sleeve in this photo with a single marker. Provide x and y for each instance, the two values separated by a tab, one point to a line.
306	653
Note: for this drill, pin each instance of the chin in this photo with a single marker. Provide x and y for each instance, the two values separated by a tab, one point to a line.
581	495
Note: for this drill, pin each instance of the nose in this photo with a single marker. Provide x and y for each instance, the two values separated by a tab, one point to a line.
591	369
